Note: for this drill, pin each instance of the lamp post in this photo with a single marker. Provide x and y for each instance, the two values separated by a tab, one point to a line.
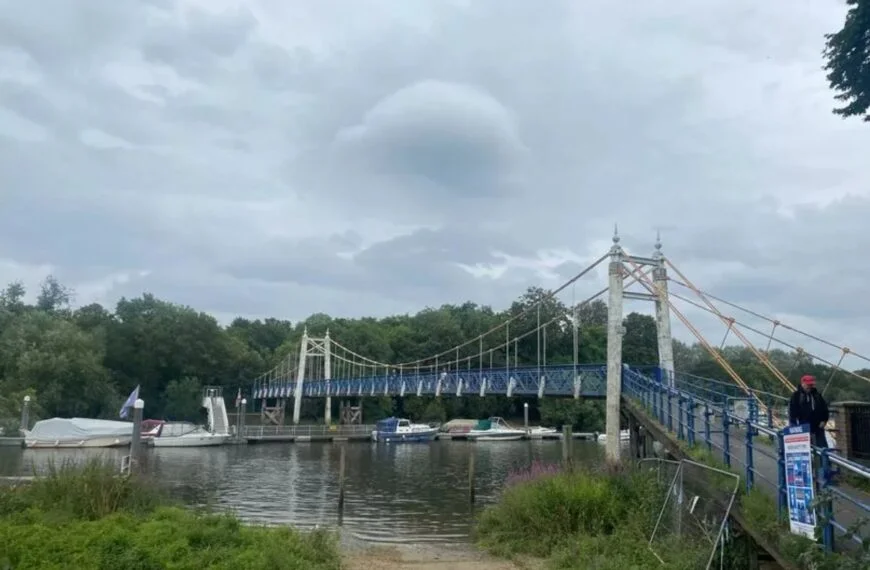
25	415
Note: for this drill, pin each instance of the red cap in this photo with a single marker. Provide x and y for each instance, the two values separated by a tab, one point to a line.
808	380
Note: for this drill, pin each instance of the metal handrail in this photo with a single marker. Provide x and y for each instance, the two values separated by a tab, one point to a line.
659	398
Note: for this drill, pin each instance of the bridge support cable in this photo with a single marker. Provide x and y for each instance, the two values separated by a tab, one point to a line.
650	286
777	323
758	354
837	367
844	351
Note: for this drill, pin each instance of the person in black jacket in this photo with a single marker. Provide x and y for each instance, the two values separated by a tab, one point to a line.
807	406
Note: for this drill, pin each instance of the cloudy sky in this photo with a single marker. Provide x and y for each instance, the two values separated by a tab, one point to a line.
285	157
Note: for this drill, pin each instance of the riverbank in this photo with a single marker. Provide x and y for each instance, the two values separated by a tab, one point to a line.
431	557
87	517
587	519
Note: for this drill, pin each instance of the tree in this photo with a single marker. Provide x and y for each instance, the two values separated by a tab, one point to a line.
53	296
848	61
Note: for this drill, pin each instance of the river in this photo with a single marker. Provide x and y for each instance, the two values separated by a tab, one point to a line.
393	493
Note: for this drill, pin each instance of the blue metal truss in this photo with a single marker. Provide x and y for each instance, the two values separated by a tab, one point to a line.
555	380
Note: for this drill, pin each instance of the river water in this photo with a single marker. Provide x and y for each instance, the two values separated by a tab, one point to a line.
393	493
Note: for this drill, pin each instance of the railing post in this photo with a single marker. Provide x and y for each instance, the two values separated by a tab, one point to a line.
680	430
726	437
707	439
661	394
750	466
690	421
670	410
826	506
782	491
753	408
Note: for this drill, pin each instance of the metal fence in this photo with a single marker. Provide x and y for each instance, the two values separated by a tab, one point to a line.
702	414
314	431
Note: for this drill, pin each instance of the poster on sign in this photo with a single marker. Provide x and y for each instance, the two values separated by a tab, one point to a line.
798	451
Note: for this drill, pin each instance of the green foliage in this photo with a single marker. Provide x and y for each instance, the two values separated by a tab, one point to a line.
585	519
87	517
84	362
848	61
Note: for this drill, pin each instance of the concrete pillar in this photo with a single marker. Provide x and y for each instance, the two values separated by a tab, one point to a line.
614	350
300	377
663	316
327	376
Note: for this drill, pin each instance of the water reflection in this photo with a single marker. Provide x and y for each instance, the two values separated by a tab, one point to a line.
393	493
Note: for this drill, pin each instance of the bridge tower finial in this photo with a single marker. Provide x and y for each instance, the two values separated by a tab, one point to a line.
615	248
658	255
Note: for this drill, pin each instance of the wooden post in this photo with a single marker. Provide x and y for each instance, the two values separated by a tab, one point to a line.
136	442
471	474
341	464
25	415
567	447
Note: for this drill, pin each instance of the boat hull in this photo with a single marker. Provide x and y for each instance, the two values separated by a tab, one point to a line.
77	444
494	435
192	440
405	437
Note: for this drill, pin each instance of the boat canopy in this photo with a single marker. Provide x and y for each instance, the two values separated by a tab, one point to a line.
78	429
388	425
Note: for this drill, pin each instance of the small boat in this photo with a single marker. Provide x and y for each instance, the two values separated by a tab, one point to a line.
624	435
77	433
539	432
185	434
495	429
399	430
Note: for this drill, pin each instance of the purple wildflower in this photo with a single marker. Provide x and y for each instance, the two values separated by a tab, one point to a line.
537	470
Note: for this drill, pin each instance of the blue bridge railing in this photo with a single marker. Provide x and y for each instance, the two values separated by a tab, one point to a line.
583	380
703	412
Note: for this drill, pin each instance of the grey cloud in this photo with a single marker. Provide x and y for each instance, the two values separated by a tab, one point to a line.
512	127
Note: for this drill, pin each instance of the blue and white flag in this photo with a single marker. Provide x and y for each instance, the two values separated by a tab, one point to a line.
131	399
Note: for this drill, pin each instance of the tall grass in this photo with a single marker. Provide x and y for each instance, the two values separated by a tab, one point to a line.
87	517
582	519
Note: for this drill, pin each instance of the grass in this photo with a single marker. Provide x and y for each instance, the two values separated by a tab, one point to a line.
88	518
583	519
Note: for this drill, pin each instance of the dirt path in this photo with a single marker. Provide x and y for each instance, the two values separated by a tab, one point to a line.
428	558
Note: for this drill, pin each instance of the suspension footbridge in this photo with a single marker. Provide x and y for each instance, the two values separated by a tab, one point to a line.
736	421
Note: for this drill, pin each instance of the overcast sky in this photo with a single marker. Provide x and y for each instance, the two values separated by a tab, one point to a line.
284	157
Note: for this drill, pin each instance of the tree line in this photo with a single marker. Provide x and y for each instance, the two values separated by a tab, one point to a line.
84	361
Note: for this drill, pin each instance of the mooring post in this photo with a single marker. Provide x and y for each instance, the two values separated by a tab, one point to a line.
567	440
241	428
25	415
471	476
526	417
342	450
136	442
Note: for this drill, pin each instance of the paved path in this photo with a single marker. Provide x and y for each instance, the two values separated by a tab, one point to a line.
765	465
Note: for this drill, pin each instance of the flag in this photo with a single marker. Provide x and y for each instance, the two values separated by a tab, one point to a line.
125	409
239	398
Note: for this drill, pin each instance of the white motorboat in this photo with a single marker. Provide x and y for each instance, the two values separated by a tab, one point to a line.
401	430
185	434
539	432
624	435
77	433
495	429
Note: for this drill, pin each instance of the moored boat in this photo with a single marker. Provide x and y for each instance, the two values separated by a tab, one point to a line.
495	429
624	435
396	430
185	434
57	433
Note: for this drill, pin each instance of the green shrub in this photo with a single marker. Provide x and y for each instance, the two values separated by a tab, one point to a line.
584	519
89	518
